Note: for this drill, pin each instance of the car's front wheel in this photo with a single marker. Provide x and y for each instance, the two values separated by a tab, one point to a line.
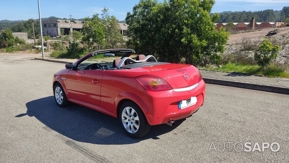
59	95
133	120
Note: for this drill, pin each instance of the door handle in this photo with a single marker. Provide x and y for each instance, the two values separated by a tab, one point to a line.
95	81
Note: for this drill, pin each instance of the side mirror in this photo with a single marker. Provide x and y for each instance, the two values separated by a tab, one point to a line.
69	66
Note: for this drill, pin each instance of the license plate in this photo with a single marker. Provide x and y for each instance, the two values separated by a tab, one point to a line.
187	103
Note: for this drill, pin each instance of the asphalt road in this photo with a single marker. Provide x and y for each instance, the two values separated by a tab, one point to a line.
34	129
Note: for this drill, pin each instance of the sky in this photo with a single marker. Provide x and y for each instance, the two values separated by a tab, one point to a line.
26	9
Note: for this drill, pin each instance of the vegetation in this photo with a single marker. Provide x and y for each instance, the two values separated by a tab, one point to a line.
112	35
26	26
57	45
46	38
76	36
4	24
273	70
176	30
93	33
285	13
11	43
101	32
287	21
261	63
230	26
97	33
266	53
261	16
6	39
72	51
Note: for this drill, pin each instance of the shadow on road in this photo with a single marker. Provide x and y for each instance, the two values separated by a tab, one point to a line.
85	125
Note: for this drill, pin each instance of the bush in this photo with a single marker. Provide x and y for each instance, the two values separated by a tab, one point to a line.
275	70
19	40
57	45
6	39
24	47
58	53
238	58
46	38
21	47
73	51
249	44
266	53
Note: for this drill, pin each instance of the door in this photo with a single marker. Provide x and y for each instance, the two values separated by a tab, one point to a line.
84	86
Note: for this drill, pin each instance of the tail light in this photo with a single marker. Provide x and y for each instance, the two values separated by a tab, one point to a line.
153	83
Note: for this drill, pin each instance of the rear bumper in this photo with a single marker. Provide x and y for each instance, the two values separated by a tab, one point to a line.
164	105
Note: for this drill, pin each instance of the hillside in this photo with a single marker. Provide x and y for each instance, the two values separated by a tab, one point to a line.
243	45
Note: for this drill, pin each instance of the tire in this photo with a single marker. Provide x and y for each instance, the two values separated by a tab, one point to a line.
60	96
133	120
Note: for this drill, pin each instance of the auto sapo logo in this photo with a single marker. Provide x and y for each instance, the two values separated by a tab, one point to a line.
246	147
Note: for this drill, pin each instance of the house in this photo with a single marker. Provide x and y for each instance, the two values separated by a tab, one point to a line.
58	27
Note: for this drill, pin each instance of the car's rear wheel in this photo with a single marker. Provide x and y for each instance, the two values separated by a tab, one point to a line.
133	120
60	96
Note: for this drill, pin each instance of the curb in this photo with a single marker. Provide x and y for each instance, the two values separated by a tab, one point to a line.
51	60
265	88
248	86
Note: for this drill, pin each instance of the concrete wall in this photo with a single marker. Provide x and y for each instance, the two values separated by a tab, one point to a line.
22	35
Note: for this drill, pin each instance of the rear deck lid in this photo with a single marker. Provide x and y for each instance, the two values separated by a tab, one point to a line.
177	75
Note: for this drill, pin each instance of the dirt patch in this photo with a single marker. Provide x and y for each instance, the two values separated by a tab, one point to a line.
237	38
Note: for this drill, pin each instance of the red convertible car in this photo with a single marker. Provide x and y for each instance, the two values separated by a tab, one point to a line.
141	92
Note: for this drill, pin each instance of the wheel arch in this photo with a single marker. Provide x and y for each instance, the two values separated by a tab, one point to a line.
58	80
128	96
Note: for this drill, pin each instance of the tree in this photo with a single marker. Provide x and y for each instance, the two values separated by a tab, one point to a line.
76	36
93	33
6	39
230	26
284	13
245	16
265	53
26	26
176	30
112	30
287	21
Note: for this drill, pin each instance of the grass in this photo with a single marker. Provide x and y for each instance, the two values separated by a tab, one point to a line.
16	48
269	71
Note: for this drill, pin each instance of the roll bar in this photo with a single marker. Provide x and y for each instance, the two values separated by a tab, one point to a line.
149	57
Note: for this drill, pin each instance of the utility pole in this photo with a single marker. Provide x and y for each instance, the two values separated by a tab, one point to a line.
40	24
33	31
71	30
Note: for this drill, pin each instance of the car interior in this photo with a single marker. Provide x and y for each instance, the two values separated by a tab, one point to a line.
120	63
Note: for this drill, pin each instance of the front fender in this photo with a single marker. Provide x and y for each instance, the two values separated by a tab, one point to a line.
59	79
